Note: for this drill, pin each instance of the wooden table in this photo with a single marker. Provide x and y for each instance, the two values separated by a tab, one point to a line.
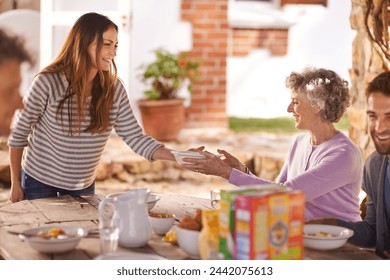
82	211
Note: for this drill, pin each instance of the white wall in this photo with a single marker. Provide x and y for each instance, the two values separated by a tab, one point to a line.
321	37
154	26
149	24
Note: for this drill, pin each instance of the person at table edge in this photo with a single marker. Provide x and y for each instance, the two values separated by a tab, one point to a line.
73	104
12	54
374	230
323	163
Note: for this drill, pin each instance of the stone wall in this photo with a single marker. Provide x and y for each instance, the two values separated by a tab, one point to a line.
367	62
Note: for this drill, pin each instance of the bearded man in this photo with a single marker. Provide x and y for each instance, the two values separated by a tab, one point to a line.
374	230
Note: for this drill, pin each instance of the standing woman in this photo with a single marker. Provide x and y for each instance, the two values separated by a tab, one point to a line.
72	106
322	163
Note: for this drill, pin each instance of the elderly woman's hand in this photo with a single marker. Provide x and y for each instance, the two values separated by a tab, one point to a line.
211	164
232	161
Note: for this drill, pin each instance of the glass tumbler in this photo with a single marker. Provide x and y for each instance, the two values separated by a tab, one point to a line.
108	230
215	196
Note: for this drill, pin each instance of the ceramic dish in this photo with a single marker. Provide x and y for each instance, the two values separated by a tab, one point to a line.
59	244
325	237
151	200
180	155
161	222
188	240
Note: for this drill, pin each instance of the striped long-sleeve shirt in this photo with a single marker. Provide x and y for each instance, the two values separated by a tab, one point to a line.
55	157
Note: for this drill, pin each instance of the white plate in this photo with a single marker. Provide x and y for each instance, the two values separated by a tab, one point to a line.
54	245
129	256
339	236
180	155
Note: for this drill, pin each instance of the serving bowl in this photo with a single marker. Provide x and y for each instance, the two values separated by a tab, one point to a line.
325	237
161	222
152	200
60	244
188	240
180	155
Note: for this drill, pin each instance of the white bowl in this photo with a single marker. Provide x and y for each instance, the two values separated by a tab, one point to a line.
339	236
188	240
152	200
180	155
161	223
54	245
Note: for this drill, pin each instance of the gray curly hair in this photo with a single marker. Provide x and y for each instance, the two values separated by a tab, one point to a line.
323	88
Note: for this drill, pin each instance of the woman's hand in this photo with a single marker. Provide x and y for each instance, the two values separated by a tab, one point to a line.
211	164
15	158
199	149
232	161
17	193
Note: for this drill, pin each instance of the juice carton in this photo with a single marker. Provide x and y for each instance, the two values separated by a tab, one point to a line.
208	237
227	216
269	225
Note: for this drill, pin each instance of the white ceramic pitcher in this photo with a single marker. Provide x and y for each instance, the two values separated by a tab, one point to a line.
132	211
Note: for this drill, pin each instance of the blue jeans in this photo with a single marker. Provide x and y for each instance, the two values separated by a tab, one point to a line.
34	189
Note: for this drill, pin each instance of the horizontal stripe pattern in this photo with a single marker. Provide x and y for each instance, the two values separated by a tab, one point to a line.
55	157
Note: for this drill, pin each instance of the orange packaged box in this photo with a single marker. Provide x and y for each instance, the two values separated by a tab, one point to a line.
227	215
269	225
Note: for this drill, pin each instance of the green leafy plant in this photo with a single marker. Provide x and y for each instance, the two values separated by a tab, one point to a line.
167	74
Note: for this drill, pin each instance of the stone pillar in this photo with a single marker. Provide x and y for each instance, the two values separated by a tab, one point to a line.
367	62
210	35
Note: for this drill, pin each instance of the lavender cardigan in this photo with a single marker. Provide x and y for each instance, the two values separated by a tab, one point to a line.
329	174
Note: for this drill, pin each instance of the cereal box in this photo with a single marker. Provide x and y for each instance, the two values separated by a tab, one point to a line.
269	225
226	218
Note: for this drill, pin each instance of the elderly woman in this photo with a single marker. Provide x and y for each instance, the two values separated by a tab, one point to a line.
322	163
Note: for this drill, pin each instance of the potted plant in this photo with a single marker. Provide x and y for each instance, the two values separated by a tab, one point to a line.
162	111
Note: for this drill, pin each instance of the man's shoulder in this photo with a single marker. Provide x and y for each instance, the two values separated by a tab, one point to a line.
375	156
375	159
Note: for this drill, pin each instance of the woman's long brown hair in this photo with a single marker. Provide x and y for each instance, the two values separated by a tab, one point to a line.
75	62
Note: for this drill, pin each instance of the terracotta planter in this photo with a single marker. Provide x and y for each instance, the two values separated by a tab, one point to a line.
162	119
